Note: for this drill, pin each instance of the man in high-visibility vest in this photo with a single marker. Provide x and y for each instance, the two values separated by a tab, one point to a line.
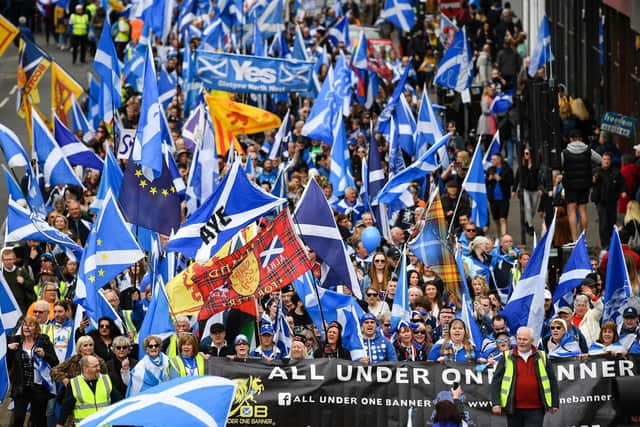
87	393
79	21
524	383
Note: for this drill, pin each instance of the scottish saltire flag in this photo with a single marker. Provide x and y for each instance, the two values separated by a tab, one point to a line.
567	347
317	227
231	12
340	175
406	126
375	173
475	186
76	152
575	270
107	66
466	309
4	373
279	47
185	401
187	14
280	187
110	180
104	309
340	33
15	193
94	102
10	312
400	13
105	105
133	69
12	149
342	88
360	55
268	14
384	120
166	88
299	48
23	225
526	304
542	50
401	309
234	204
282	331
193	128
79	121
396	159
157	320
104	256
618	289
494	148
55	166
213	35
455	70
502	102
281	138
203	174
335	307
319	123
419	169
34	196
147	147
601	40
258	41
428	128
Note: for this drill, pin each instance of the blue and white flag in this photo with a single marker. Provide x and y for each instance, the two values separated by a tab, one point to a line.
299	48
157	320
166	88
34	195
406	127
105	104
335	307
14	190
502	102
343	85
384	120
455	70
234	204
618	289
23	225
526	304
475	186
10	312
400	13
401	309
317	227
322	117
185	401
375	174
55	165
107	66
213	35
268	14
282	331
340	175
111	180
417	170
361	55
147	147
104	256
76	152
542	50
104	309
79	121
4	373
467	306
94	102
133	70
567	347
494	148
575	270
203	174
12	149
340	33
187	14
281	138
428	128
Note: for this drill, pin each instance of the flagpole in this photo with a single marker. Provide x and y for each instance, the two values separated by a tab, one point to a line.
462	190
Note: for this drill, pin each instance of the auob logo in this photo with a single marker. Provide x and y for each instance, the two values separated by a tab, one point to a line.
245	409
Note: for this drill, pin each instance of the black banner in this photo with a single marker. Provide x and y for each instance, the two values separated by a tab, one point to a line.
333	393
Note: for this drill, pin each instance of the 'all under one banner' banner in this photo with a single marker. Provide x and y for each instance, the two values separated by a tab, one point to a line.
244	73
333	393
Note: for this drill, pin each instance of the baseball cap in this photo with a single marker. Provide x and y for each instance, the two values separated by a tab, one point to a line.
241	338
565	310
589	282
547	294
393	253
561	321
216	328
630	313
266	330
636	147
368	316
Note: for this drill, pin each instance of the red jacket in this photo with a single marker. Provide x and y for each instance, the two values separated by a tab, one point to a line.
626	250
630	172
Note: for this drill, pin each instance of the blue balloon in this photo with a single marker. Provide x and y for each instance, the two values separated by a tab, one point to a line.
370	238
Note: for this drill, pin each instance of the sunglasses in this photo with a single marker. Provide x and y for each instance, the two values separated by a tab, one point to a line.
420	332
379	261
502	340
122	347
417	320
372	295
556	328
471	230
387	325
153	346
104	326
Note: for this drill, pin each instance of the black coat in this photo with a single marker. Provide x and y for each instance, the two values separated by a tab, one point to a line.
16	369
113	368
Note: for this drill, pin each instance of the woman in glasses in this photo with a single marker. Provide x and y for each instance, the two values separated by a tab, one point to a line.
151	370
28	356
528	187
456	347
422	340
121	363
406	348
70	368
374	304
493	354
561	344
378	275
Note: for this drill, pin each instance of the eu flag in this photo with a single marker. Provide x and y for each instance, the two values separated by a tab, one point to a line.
151	204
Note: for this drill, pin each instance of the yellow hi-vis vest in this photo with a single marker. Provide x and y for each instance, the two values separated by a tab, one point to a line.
127	316
79	24
178	365
507	378
88	402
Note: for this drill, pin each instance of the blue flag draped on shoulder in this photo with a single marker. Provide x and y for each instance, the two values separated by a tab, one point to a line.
575	270
455	70
12	149
186	401
618	289
526	304
234	204
475	186
542	50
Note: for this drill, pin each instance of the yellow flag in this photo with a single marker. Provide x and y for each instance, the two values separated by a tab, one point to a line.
63	86
7	33
184	298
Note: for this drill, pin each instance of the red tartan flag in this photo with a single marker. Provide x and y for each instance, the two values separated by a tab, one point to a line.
272	260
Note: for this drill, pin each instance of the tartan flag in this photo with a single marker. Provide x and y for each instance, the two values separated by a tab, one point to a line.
270	261
33	62
63	89
432	247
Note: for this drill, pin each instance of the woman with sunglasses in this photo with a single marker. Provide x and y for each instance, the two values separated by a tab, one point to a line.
103	337
378	275
374	304
456	347
561	344
405	346
25	351
70	368
151	370
422	339
494	353
121	363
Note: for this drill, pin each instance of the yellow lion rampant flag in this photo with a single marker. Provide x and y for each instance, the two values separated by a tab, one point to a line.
8	32
63	86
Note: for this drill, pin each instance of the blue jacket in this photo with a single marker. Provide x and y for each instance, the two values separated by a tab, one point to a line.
450	353
379	349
